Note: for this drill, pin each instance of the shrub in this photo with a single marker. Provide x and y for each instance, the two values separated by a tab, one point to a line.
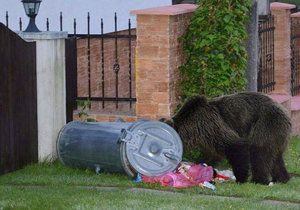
214	46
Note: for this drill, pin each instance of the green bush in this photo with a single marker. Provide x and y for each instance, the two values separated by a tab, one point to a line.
214	46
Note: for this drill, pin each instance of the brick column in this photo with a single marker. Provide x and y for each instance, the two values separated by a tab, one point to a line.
158	56
282	13
295	18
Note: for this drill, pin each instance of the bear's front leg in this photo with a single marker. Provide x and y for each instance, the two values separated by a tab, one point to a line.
279	172
238	158
261	164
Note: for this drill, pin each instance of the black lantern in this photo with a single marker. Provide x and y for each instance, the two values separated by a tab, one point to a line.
31	9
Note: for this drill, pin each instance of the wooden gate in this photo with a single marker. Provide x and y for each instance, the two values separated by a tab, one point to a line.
18	102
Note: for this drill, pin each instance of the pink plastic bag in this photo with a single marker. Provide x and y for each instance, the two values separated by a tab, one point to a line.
187	176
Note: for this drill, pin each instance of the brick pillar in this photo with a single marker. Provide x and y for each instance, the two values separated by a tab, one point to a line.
282	13
295	18
158	56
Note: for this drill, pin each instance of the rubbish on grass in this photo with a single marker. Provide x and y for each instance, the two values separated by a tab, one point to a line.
209	185
138	178
224	175
189	175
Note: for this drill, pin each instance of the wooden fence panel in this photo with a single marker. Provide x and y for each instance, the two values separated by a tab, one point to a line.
18	102
71	77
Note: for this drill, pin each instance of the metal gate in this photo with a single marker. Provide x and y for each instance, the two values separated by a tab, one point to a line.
295	56
100	69
266	78
18	102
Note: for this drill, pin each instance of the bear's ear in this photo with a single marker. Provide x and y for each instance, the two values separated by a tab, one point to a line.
196	101
170	122
202	100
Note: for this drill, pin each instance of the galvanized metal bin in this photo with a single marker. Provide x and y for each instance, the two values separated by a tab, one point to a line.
148	147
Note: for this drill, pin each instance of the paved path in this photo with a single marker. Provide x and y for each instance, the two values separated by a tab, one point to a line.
275	203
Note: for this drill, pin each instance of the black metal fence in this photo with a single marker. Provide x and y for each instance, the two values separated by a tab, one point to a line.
126	68
18	104
266	78
295	56
105	96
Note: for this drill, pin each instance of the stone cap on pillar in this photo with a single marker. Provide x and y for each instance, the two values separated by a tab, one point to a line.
166	10
295	15
45	35
282	6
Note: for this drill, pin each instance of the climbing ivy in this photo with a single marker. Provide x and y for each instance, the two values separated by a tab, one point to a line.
214	46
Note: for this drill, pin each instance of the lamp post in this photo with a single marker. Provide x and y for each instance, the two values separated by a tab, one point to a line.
31	9
263	7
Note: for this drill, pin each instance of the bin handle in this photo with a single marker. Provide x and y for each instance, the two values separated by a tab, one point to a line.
129	138
172	157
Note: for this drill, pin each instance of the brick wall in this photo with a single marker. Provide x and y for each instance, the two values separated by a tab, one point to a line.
159	54
109	74
282	46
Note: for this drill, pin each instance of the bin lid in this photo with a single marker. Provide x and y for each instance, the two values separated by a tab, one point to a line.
153	148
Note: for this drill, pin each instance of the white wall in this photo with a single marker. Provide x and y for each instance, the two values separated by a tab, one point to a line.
77	9
51	91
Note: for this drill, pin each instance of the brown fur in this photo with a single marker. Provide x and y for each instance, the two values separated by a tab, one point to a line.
249	129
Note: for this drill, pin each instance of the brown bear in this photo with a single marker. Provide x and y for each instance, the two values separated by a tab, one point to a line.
247	128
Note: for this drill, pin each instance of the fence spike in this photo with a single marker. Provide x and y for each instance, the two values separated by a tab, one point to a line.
47	24
116	65
129	63
89	57
102	65
6	17
61	21
74	25
20	23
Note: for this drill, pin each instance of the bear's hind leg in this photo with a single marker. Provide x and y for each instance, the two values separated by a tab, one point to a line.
238	158
261	164
279	172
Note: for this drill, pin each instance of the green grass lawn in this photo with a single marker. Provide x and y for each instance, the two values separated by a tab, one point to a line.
54	186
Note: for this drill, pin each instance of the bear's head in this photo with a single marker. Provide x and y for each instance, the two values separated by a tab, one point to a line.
170	122
189	107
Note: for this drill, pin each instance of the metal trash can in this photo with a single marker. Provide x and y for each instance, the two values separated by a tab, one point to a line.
148	147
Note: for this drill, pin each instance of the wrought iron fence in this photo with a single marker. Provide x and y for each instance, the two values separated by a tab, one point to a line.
107	68
295	56
117	67
266	78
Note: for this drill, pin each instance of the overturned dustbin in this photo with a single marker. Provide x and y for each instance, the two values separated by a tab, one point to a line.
148	147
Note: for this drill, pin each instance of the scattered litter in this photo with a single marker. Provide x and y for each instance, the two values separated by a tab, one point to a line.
224	175
188	175
138	178
209	185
